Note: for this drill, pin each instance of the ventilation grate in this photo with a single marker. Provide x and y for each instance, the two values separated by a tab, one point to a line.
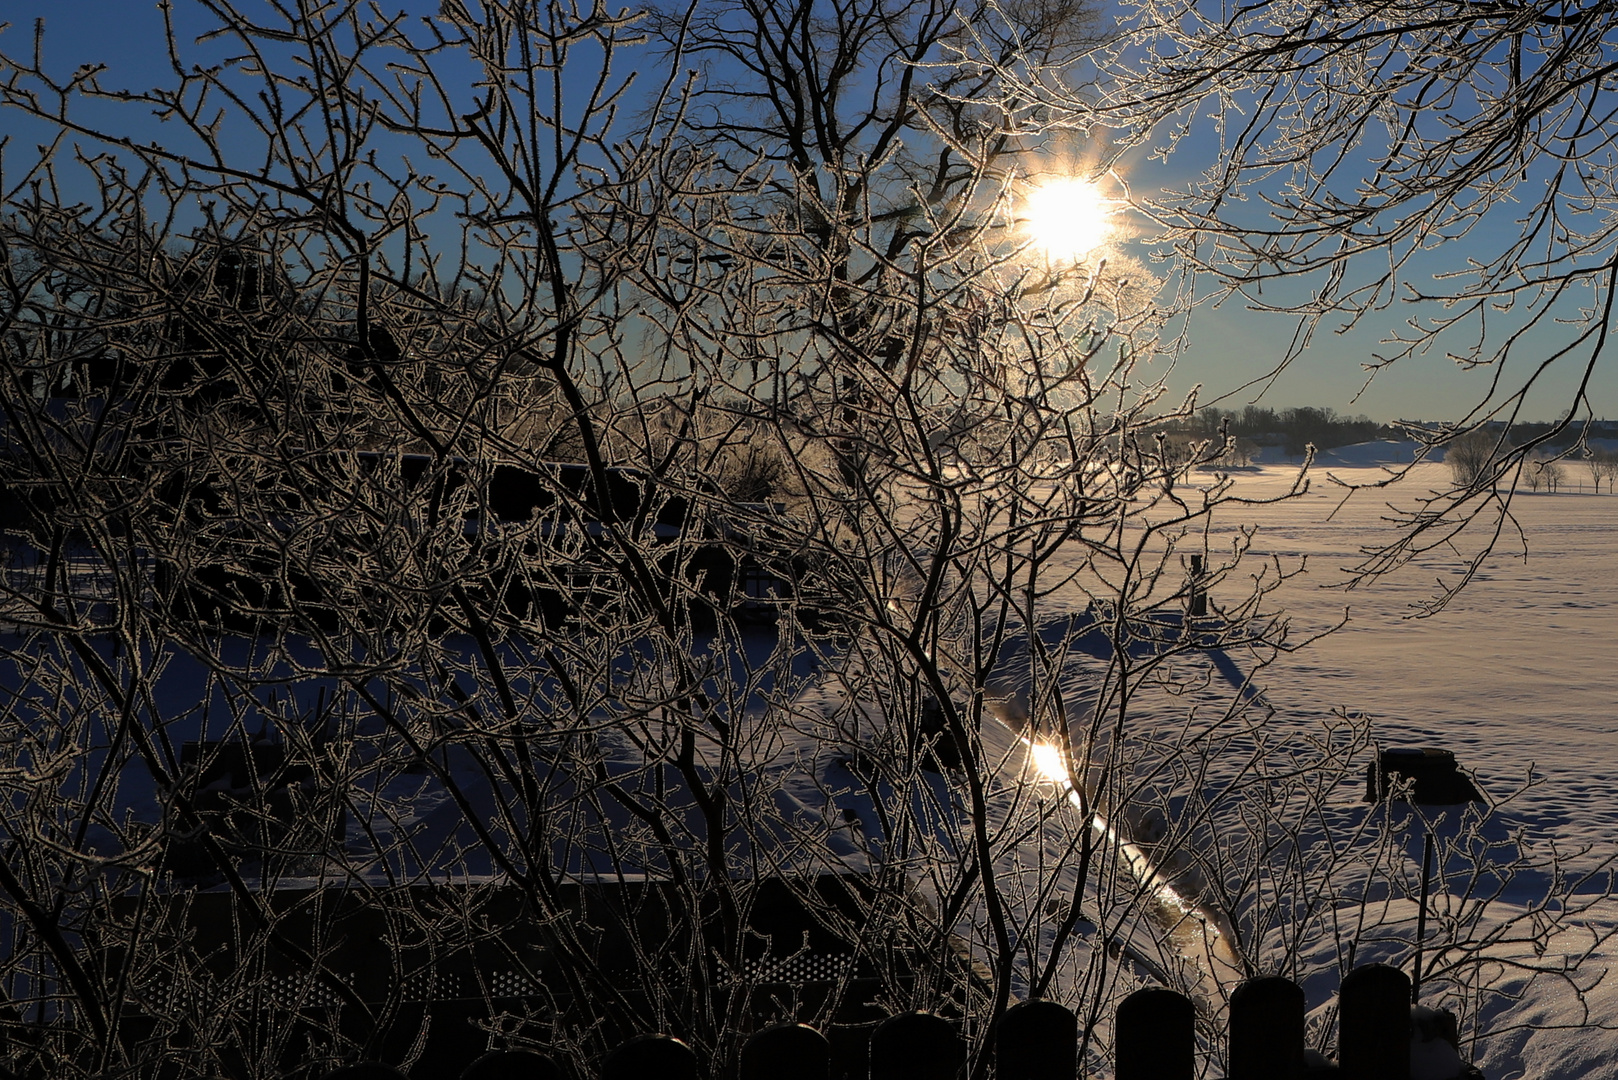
803	968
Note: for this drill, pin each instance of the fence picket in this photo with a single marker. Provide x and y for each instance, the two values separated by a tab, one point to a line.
916	1046
1266	1030
651	1057
1155	1037
1373	1041
786	1052
365	1070
512	1065
1037	1040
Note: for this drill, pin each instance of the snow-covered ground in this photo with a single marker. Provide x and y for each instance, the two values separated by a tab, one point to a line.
1511	678
1514	676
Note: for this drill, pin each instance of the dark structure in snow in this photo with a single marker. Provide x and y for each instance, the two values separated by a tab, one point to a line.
1433	774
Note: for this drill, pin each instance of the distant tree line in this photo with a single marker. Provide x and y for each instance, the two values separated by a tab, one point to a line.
1522	433
1293	429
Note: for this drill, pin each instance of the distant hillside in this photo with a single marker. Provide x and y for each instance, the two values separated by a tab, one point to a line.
1374	452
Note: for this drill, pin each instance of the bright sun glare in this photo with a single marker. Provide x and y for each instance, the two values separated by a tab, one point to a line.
1049	761
1067	218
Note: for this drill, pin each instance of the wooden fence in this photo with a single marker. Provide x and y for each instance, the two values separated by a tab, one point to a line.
1155	1039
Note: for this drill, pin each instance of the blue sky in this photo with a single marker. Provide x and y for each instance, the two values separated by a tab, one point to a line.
1230	345
1234	345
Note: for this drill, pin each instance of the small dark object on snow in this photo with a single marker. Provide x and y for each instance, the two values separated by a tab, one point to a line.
1196	589
1432	772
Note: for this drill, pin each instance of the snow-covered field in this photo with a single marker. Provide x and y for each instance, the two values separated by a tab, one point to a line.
1515	676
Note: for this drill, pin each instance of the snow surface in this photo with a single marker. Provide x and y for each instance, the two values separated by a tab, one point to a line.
1511	677
1514	676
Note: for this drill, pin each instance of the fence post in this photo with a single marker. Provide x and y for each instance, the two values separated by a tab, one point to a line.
1266	1030
916	1046
1196	593
786	1052
651	1057
1373	1035
1036	1040
1155	1036
512	1065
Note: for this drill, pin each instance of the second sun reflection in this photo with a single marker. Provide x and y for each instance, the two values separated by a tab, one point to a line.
1176	892
1050	762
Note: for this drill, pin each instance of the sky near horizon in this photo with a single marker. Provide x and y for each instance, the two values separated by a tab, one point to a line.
1231	348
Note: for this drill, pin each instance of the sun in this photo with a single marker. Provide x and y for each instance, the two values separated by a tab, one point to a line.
1067	218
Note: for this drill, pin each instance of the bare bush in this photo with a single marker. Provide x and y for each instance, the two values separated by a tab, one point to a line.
1473	457
398	655
1603	465
1542	472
